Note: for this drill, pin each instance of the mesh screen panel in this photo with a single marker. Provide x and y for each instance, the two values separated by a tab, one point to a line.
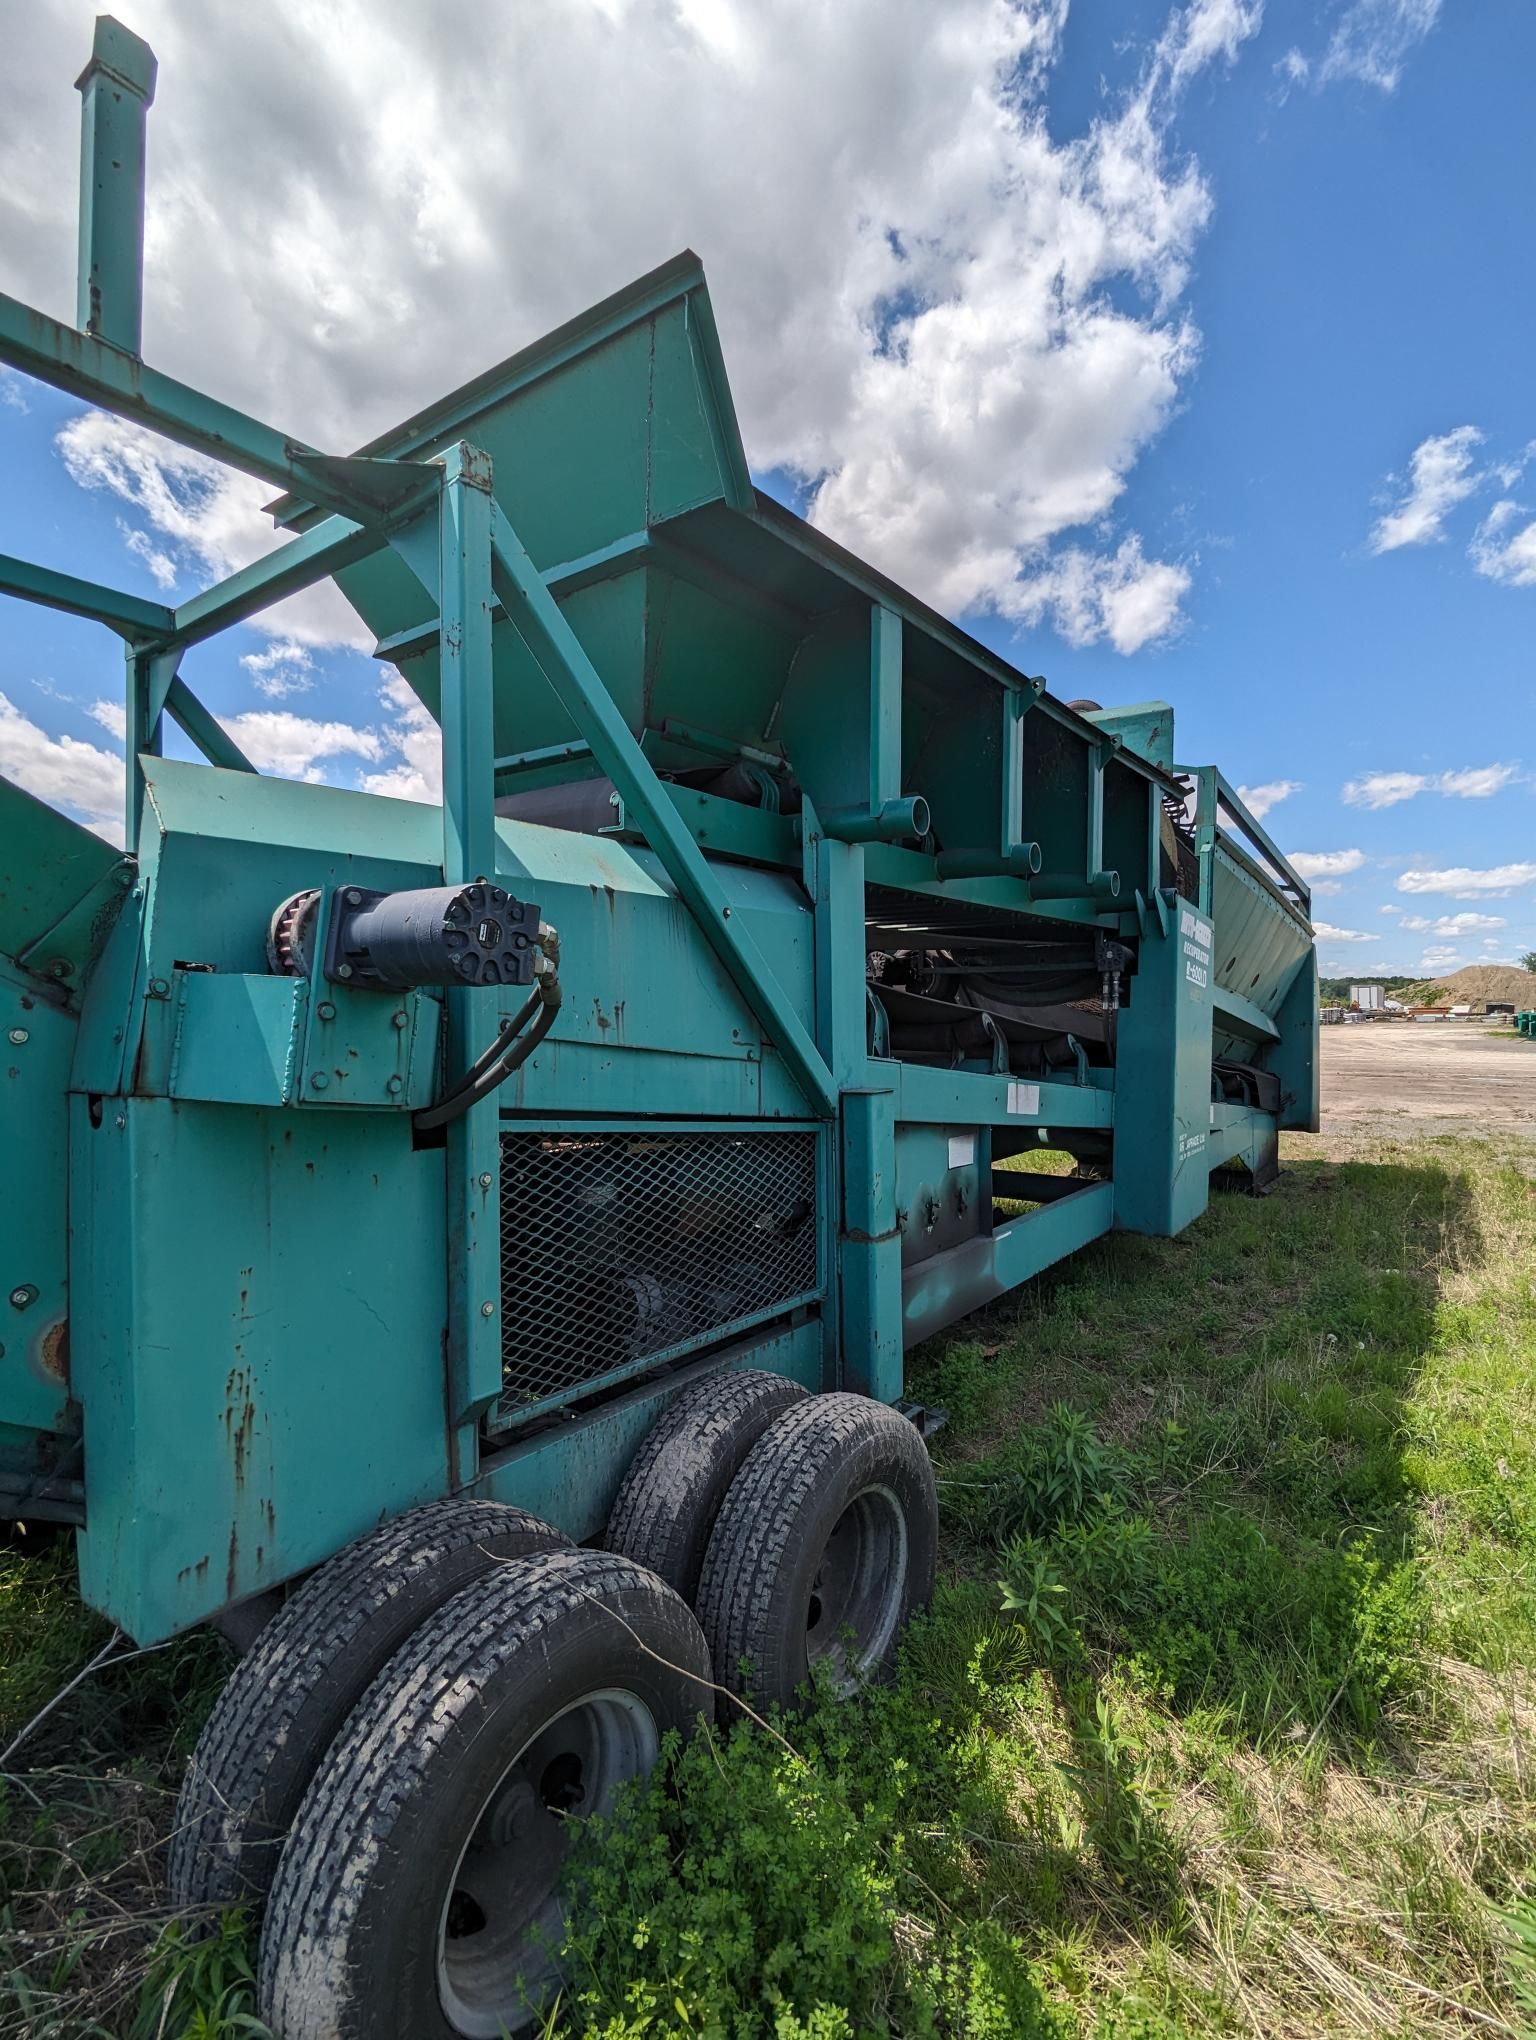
622	1247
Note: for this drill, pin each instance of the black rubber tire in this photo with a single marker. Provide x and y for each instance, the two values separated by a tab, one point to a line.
288	1698
761	1571
668	1500
350	1945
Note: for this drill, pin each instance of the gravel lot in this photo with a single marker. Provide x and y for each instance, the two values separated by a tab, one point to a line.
1427	1077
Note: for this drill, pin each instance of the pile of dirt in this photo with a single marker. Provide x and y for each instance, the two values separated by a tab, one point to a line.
1479	981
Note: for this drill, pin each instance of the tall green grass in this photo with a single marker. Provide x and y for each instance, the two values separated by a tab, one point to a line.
1222	1721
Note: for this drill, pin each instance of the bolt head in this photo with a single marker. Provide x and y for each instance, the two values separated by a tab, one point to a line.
343	970
318	1081
401	1019
326	1010
19	1037
354	897
23	1294
485	1180
395	1085
487	1310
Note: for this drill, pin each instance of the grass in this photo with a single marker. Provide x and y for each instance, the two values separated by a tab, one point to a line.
1223	1721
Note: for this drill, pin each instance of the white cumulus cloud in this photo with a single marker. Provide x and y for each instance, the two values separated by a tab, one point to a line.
1121	597
1310	864
957	329
1477	782
277	740
418	772
1452	924
1467	882
81	778
1260	799
1469	782
1326	932
1384	789
1441	475
1502	553
282	668
201	519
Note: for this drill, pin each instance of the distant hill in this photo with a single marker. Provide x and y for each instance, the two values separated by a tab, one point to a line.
1474	982
1486	981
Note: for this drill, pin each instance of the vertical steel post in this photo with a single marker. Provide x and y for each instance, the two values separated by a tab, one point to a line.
884	707
1207	800
469	799
117	87
150	678
469	852
1162	1170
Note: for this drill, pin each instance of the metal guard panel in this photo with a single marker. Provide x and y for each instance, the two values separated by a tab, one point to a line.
620	1250
1260	943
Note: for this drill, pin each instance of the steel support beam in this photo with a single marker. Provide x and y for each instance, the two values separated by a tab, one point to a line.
133	618
338	542
469	852
101	374
560	656
116	88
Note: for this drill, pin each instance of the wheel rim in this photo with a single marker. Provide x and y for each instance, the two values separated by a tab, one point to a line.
856	1598
502	1921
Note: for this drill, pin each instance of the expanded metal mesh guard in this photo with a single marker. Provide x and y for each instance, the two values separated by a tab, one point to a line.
621	1248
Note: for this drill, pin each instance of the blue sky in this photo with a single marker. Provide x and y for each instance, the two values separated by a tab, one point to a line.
1189	361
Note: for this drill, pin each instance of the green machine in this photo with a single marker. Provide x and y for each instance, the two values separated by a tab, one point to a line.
469	1251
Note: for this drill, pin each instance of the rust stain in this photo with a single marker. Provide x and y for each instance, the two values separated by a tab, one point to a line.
239	1420
232	1569
53	1351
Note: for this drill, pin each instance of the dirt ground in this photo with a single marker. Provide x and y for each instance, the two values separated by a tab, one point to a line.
1427	1077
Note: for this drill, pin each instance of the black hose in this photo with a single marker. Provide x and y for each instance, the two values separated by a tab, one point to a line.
487	1074
506	1034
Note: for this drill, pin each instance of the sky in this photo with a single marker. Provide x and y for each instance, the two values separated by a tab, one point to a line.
1178	353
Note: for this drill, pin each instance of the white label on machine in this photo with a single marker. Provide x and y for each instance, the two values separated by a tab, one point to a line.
962	1150
1024	1098
1190	1144
1195	930
1196	972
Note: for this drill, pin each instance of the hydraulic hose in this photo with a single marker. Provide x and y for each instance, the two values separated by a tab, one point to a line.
487	1073
506	1034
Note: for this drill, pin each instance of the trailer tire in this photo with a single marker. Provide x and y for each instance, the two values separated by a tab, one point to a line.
288	1698
437	1818
668	1500
824	1546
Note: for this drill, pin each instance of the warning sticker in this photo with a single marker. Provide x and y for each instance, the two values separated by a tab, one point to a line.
1024	1098
962	1150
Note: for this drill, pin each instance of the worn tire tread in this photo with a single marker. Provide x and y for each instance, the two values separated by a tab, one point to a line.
390	1743
672	1491
290	1695
762	1514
